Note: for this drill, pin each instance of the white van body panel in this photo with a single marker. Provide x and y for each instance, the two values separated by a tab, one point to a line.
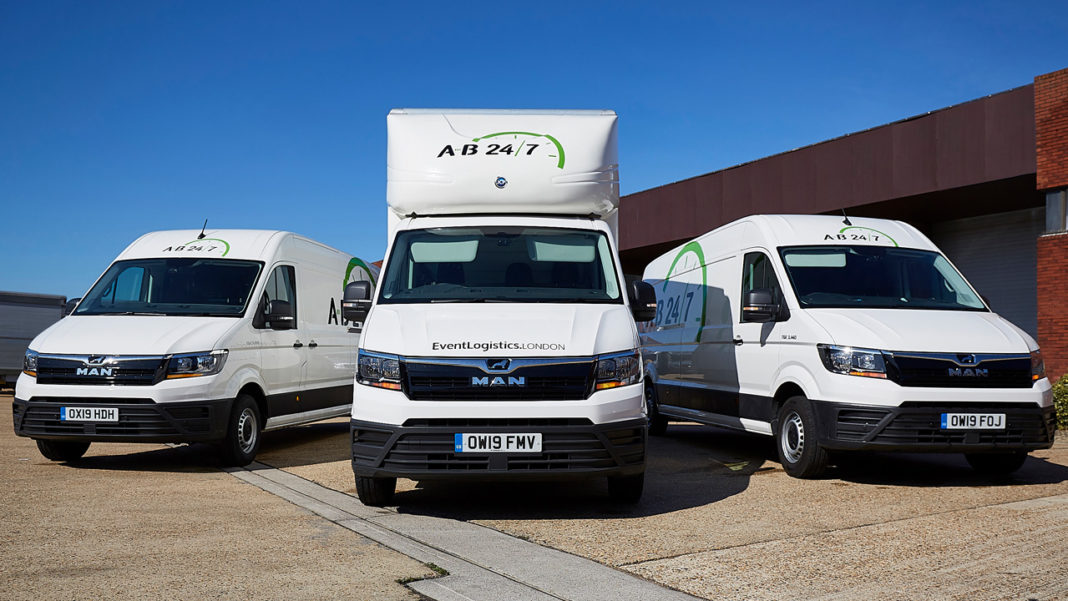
293	371
712	367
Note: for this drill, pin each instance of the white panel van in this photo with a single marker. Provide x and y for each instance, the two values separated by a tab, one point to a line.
836	334
501	342
196	336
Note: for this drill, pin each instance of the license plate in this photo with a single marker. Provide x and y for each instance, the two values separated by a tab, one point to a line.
89	414
498	443
973	421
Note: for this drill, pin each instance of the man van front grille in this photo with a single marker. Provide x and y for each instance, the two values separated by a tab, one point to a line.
469	380
139	371
943	371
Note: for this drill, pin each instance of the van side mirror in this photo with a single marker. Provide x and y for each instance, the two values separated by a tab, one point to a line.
642	299
759	306
72	304
280	315
356	303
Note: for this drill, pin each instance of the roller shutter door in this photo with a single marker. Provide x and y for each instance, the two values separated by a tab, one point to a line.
997	255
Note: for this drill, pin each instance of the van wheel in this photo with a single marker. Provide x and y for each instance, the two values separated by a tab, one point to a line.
626	489
375	492
243	431
996	463
657	423
62	450
797	440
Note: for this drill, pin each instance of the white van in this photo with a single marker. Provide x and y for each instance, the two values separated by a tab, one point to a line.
196	336
836	334
502	340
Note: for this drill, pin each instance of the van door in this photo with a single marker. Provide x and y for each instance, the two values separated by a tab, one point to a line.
283	352
330	345
663	338
707	357
756	345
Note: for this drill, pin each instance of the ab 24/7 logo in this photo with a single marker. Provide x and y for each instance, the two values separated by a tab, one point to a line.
515	144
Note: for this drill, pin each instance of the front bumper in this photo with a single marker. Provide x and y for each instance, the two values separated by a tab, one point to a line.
917	427
423	449
140	420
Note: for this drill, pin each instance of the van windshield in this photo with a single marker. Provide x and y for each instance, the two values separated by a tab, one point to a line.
210	287
877	277
500	264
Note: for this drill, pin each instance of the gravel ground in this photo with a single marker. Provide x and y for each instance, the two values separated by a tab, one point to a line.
152	522
720	519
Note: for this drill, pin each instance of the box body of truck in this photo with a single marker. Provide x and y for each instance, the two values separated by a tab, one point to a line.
22	317
501	342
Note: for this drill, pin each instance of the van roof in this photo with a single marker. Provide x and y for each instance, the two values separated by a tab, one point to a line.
232	244
807	230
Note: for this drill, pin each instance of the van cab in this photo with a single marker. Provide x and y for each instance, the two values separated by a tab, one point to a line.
839	334
211	336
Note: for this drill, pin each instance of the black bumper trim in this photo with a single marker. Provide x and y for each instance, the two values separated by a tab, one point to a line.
917	427
194	421
570	449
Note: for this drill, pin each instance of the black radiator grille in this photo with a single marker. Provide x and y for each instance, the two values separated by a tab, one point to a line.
551	381
140	371
940	371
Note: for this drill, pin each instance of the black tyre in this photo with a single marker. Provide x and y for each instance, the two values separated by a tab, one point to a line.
657	423
626	489
62	450
243	432
996	463
375	492
797	440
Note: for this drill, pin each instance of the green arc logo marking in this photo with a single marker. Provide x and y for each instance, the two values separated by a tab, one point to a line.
559	147
353	264
695	248
224	242
857	227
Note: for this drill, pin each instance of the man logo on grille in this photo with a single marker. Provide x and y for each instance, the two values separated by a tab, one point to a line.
966	359
498	381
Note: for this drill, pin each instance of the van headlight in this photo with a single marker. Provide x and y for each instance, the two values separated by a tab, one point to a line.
618	369
851	361
29	363
192	365
1038	366
379	370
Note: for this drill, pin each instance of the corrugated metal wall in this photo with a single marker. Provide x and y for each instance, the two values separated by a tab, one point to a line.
997	254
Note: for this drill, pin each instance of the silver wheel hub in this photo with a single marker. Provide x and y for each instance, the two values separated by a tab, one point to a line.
247	430
792	437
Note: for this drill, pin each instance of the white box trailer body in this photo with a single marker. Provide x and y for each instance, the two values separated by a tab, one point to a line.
22	317
868	339
196	336
501	298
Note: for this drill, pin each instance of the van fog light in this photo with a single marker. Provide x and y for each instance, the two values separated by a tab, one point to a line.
868	363
619	369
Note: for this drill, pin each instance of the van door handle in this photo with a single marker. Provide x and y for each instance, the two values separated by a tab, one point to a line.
298	344
738	341
313	344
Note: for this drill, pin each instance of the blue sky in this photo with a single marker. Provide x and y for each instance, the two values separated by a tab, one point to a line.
119	118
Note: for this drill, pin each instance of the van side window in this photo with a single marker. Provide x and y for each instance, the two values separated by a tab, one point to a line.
757	272
281	288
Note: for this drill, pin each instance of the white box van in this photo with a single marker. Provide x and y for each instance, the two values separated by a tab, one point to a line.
502	339
836	334
196	336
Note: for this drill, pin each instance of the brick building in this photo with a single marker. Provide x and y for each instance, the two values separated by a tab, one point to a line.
986	180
